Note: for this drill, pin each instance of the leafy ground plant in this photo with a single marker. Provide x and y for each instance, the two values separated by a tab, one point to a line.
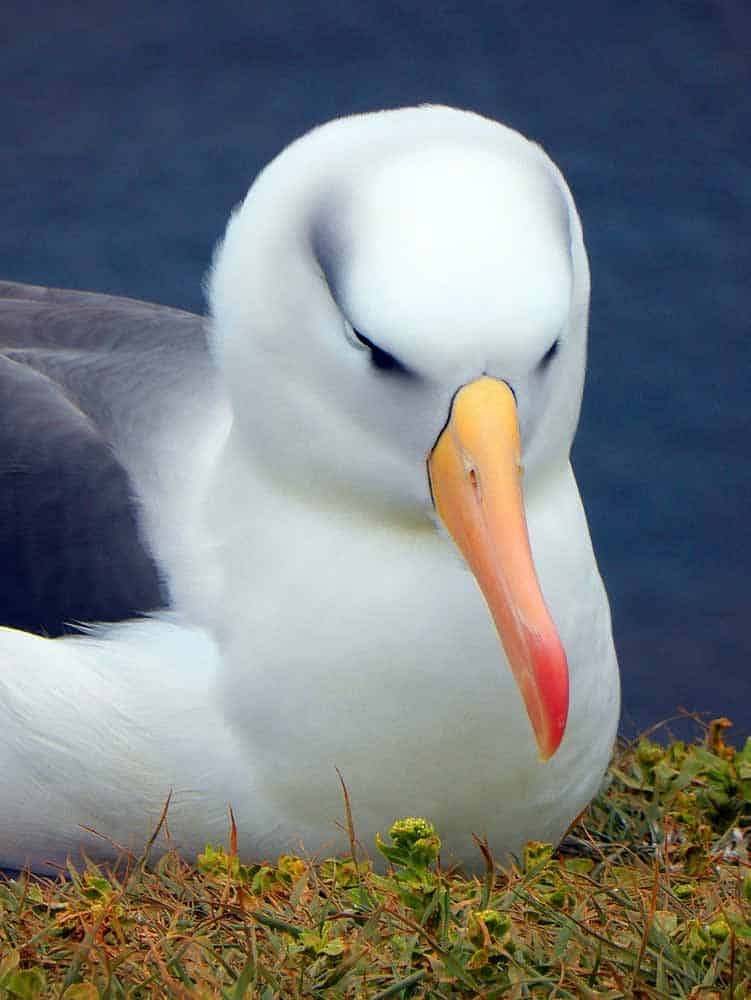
649	896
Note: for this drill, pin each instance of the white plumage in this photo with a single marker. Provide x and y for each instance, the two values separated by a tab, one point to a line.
322	616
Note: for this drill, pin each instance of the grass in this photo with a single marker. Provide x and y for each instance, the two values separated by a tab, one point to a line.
648	897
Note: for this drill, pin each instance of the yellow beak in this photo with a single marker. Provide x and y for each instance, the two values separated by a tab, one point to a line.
475	476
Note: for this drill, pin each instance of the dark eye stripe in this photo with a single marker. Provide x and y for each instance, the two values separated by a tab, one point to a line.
549	354
381	359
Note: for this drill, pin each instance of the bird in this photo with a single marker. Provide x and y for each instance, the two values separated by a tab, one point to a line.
329	530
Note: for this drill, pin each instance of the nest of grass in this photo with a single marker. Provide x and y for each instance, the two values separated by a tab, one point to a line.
649	896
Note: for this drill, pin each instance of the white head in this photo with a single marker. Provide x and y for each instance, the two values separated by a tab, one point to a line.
376	267
450	242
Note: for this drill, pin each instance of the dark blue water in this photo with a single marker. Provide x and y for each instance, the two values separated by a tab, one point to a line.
129	131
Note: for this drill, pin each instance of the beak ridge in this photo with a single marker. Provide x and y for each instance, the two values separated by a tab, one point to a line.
475	476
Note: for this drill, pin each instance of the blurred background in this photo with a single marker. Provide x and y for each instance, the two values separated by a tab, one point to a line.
129	131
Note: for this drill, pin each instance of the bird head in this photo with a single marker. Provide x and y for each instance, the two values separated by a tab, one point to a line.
399	310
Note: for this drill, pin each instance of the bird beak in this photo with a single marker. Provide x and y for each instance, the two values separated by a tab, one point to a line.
475	476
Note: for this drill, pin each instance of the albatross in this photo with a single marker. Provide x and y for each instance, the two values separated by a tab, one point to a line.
332	526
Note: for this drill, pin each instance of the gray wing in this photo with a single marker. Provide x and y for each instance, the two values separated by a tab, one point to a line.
85	381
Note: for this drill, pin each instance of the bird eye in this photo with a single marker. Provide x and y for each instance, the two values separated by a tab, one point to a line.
379	358
354	338
549	354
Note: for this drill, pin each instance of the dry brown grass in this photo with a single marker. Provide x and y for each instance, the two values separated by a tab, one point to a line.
648	897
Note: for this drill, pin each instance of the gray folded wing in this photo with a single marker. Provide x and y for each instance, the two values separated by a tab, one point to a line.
86	381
